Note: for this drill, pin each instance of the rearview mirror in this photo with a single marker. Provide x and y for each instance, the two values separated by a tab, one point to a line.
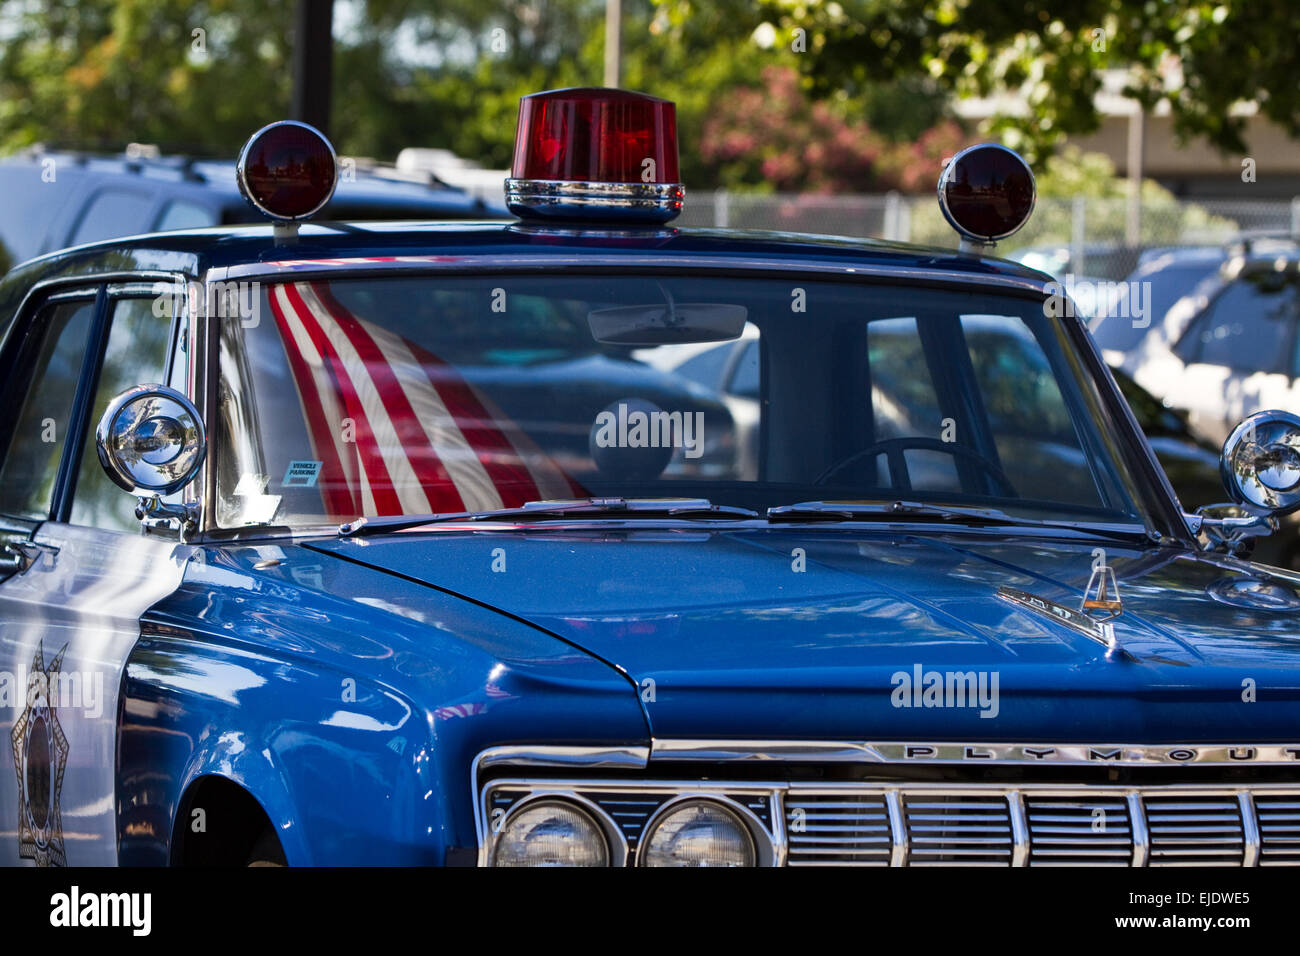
667	323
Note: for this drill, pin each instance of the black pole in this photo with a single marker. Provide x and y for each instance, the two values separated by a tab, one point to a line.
313	56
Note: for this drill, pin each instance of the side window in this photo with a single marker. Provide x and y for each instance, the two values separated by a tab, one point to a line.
1247	327
136	354
185	215
113	213
744	378
31	461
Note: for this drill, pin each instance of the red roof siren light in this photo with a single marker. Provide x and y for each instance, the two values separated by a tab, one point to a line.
595	154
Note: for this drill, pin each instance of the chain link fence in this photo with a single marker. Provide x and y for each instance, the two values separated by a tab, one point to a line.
1099	238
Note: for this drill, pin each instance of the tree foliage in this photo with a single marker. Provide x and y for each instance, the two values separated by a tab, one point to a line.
1200	58
777	136
199	77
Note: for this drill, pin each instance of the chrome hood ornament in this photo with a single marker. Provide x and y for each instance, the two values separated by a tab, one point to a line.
1102	594
1103	631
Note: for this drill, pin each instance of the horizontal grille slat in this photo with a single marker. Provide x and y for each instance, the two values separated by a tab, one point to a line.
831	828
1279	830
1065	830
1189	830
958	829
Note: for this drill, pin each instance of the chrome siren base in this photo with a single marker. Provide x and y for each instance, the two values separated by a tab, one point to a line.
620	202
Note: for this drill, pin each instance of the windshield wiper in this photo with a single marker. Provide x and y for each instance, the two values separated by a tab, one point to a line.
689	508
919	511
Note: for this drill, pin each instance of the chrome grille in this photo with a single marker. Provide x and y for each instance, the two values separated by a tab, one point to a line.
1279	829
937	824
838	829
1195	830
1079	831
960	829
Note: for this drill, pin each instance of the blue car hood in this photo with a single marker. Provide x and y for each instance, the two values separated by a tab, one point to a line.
792	632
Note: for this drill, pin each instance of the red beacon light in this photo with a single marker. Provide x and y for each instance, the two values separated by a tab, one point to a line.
288	171
584	154
987	192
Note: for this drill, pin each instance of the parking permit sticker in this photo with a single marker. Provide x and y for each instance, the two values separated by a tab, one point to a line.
301	474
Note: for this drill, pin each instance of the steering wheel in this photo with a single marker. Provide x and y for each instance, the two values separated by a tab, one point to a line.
894	448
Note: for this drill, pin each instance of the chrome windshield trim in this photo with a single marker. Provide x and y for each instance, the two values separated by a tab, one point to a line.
284	270
970	754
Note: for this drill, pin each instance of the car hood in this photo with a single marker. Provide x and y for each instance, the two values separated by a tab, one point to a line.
833	634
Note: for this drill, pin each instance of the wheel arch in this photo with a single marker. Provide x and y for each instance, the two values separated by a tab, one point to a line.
221	823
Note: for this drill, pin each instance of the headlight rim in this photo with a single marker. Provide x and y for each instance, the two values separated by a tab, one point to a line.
759	841
615	842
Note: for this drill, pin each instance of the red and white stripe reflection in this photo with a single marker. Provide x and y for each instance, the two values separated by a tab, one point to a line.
424	439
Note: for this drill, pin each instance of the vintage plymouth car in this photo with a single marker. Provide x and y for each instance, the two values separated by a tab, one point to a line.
404	543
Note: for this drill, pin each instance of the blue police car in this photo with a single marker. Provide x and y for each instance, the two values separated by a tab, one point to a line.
413	544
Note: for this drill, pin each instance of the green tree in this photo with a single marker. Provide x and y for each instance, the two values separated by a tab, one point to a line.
1201	58
95	74
776	137
1073	174
199	77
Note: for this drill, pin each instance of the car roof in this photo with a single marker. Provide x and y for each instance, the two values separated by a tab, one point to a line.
193	252
363	183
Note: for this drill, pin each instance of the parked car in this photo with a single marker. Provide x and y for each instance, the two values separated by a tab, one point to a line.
53	199
1192	463
1163	277
1103	260
1229	347
313	533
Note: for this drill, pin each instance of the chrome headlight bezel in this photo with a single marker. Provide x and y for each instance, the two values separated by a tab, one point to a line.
615	843
744	819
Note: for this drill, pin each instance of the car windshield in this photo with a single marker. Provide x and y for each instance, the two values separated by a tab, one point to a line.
342	398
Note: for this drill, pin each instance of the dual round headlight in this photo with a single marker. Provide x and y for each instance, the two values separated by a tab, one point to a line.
698	833
551	833
561	832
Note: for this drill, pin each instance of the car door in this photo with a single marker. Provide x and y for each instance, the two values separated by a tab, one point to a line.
1236	355
80	577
